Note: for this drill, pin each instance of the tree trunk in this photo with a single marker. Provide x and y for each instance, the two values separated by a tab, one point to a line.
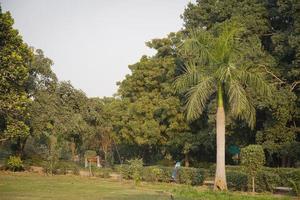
73	149
253	185
288	164
220	177
283	161
186	160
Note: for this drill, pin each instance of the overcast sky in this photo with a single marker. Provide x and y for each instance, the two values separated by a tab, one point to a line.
92	42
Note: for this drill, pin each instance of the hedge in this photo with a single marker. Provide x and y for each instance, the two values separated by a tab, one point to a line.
191	176
266	180
237	180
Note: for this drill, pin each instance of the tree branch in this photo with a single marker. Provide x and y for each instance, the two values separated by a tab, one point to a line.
272	74
294	85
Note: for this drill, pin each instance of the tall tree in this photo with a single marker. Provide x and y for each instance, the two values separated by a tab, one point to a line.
215	66
15	56
276	24
154	112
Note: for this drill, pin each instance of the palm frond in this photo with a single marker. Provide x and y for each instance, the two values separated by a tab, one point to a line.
197	97
224	45
189	78
239	102
198	46
256	79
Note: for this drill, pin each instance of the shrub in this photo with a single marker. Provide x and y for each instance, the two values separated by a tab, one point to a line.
76	170
212	170
185	176
269	178
166	174
266	178
198	177
102	172
34	161
267	181
237	180
253	159
124	170
153	174
62	168
136	168
191	176
287	174
14	163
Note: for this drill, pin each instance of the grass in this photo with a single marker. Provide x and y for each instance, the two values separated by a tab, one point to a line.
28	186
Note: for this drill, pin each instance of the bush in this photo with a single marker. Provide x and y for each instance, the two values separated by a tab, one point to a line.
153	174
76	170
268	178
102	172
237	180
167	173
132	170
136	169
252	159
14	163
287	174
34	161
124	170
199	176
191	176
267	181
62	168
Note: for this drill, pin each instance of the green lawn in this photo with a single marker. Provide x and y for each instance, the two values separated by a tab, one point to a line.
28	186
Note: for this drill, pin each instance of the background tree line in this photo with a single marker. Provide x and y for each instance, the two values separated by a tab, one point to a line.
43	117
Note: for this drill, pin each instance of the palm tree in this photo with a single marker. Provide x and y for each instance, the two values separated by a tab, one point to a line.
215	66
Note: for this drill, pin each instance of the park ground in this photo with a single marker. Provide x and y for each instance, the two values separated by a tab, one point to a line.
29	186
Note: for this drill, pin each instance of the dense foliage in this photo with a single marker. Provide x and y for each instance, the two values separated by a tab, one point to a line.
44	119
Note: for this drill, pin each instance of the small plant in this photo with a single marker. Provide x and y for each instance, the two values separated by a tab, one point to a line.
14	163
136	169
253	159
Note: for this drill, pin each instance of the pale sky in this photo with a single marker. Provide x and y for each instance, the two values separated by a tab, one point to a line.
92	42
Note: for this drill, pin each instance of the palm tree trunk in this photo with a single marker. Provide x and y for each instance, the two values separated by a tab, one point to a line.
220	177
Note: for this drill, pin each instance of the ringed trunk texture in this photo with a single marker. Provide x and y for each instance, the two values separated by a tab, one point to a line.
220	176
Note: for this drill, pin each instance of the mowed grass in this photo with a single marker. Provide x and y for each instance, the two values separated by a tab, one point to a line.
27	186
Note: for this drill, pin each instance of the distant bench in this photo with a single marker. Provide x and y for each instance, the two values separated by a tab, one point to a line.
282	190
